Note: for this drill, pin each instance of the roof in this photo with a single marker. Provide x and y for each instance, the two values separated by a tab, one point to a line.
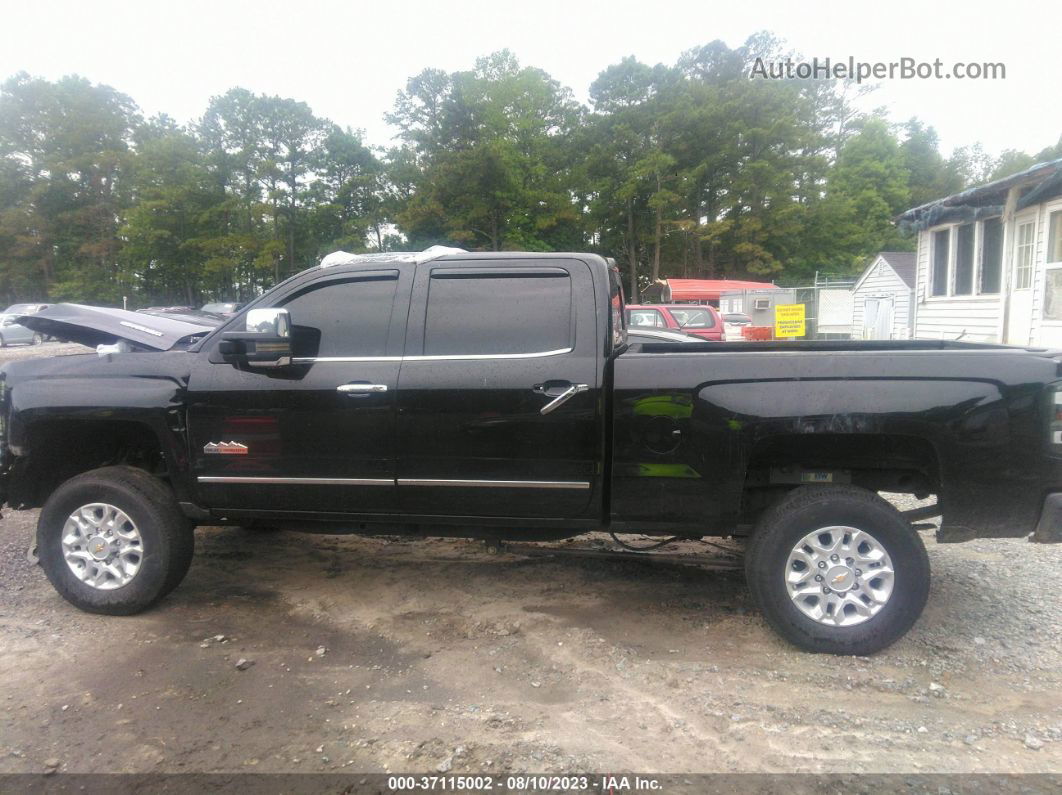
1044	179
903	262
708	289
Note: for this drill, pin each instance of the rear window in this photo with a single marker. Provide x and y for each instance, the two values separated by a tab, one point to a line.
645	318
693	317
505	312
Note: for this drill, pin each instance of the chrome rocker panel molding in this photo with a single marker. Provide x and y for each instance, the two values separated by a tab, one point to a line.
479	484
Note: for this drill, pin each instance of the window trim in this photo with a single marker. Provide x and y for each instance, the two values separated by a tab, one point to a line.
1019	223
975	265
1051	211
931	279
441	357
977	292
979	257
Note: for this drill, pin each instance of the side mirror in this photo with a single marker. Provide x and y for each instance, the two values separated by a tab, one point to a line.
265	343
9	321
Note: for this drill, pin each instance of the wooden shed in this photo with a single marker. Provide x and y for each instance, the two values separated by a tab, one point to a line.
882	298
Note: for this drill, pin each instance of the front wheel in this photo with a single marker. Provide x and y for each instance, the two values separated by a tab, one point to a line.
837	570
114	541
37	339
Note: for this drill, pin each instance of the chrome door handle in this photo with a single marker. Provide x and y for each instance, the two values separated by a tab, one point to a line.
563	398
361	389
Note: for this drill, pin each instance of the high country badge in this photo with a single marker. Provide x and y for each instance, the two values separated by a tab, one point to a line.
225	448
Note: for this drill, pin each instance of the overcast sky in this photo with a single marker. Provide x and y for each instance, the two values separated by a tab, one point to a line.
347	59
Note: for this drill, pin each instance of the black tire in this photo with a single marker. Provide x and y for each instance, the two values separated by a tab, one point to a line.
168	538
811	507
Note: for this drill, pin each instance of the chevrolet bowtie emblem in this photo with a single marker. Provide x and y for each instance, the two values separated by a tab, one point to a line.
225	448
838	578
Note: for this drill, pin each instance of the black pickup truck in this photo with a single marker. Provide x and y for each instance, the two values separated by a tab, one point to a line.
497	396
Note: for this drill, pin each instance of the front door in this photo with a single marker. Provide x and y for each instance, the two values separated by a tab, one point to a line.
318	435
1019	301
500	410
877	318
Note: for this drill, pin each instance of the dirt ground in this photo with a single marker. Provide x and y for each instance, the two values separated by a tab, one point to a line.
376	655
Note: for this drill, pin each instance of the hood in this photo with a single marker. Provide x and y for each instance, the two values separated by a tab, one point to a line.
95	325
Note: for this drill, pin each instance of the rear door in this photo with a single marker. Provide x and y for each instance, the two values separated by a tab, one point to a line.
500	409
318	435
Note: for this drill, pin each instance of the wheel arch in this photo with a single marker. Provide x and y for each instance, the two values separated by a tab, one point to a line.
54	449
780	463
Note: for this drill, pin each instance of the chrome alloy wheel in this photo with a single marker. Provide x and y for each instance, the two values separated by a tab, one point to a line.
839	576
102	546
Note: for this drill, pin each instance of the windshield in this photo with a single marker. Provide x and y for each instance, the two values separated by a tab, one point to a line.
220	308
693	317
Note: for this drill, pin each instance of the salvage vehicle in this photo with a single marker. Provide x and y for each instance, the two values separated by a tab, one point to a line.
700	321
14	333
497	396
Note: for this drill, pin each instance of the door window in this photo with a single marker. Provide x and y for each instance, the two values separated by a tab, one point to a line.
498	313
1025	245
646	318
342	317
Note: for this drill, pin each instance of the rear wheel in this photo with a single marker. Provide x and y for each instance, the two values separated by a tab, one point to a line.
837	570
114	541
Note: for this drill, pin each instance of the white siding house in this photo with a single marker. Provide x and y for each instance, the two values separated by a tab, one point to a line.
882	298
989	261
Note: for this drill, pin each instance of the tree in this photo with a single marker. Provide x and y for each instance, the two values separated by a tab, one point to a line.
65	148
869	184
489	163
166	230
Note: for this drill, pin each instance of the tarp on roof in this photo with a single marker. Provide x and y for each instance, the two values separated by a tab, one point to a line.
708	289
428	254
986	201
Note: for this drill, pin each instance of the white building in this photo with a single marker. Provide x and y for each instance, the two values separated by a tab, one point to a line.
882	298
989	261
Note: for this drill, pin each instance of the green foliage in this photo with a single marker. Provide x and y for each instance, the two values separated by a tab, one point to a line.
691	169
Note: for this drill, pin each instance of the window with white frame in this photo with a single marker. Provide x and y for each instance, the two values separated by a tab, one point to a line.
964	260
991	255
967	259
1054	238
1053	272
1024	252
941	257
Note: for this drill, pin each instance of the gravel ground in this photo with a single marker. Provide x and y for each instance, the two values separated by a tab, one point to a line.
377	655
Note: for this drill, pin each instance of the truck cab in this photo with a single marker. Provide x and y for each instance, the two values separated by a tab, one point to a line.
465	386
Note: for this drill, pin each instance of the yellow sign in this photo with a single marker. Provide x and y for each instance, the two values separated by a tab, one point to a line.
789	321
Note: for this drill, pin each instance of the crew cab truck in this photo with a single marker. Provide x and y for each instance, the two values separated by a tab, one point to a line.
496	396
